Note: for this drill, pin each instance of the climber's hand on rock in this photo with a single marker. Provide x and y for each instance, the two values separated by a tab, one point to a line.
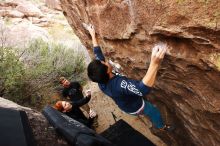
91	30
158	53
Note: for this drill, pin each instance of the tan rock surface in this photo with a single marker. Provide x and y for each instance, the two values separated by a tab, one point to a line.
53	4
29	10
11	13
34	20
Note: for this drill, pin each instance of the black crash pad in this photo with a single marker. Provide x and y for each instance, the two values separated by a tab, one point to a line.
75	132
15	129
122	134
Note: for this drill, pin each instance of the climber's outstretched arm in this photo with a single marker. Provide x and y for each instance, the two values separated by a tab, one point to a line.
158	53
92	33
96	49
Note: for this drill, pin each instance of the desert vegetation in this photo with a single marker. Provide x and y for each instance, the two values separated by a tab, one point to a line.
29	76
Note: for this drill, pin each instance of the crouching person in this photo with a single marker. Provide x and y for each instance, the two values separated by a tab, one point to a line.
73	111
73	91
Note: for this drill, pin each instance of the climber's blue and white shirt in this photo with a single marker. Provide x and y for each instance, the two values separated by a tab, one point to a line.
126	93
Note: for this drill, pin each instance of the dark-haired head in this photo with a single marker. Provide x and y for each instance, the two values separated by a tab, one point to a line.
98	72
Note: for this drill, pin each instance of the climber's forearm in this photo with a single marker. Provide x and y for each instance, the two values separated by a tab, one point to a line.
150	77
94	41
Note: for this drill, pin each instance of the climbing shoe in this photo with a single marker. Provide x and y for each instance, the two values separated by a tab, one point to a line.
168	128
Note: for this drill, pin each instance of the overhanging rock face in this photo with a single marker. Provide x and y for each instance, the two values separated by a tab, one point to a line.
188	85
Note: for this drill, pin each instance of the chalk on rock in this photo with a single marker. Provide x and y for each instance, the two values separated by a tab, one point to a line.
87	26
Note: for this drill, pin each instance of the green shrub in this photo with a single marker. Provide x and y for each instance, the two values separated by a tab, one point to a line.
11	72
34	75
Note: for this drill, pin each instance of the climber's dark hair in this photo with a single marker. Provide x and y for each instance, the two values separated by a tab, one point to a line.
97	72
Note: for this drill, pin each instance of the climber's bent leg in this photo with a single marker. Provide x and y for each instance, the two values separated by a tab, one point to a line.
154	114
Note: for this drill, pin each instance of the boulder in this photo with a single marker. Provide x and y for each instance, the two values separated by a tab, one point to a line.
15	14
53	4
26	32
3	13
12	3
187	88
11	14
43	133
29	10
